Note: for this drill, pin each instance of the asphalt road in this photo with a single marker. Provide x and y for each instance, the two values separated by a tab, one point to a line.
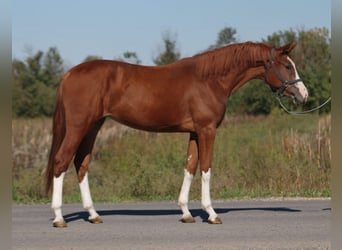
247	224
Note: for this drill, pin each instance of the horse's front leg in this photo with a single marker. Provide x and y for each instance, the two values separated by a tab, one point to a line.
61	163
189	172
206	146
88	202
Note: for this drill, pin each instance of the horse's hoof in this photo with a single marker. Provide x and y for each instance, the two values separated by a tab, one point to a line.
60	224
216	220
96	220
188	219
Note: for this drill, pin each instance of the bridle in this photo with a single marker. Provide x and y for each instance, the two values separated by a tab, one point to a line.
285	83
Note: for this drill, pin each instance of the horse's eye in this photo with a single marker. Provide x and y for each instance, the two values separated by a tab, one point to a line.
288	67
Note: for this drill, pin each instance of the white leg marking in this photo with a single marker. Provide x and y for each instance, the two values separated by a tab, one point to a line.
206	201
184	193
57	197
86	197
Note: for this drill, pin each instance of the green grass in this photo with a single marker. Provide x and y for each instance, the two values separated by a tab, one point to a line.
277	155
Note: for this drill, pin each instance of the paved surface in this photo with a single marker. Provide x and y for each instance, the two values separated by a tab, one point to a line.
252	224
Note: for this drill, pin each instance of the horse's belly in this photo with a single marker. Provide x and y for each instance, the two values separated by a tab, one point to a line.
154	123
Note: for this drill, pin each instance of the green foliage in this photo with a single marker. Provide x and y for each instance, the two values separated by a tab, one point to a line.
35	82
170	53
131	57
91	58
225	36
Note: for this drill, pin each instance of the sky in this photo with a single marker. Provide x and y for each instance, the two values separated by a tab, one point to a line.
108	28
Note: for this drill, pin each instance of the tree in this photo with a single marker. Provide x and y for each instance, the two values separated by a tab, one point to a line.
52	68
130	57
170	53
91	58
225	36
34	83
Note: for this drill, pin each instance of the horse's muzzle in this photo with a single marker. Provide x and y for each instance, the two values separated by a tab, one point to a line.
298	93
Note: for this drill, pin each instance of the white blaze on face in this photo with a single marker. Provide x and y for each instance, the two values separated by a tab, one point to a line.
299	85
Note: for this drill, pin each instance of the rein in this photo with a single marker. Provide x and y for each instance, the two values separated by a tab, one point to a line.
302	112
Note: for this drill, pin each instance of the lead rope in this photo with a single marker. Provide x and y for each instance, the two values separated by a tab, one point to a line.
302	112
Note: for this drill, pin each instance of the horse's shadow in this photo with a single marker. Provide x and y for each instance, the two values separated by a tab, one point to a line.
161	212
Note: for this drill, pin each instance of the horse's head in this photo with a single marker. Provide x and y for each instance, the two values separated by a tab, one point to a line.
282	76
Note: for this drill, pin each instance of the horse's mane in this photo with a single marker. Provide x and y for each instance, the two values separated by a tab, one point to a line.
220	61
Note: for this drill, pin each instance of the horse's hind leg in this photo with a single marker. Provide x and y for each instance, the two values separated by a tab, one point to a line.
61	164
57	200
81	161
189	172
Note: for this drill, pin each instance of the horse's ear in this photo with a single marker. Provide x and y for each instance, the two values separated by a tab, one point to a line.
286	49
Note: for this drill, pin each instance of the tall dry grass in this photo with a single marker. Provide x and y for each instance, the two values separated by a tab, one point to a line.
278	155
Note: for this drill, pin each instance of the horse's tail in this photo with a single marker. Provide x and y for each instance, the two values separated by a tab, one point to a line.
58	134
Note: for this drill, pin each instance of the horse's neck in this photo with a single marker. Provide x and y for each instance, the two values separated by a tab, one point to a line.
246	75
232	69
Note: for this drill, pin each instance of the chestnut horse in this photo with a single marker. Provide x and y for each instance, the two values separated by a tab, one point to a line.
189	95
